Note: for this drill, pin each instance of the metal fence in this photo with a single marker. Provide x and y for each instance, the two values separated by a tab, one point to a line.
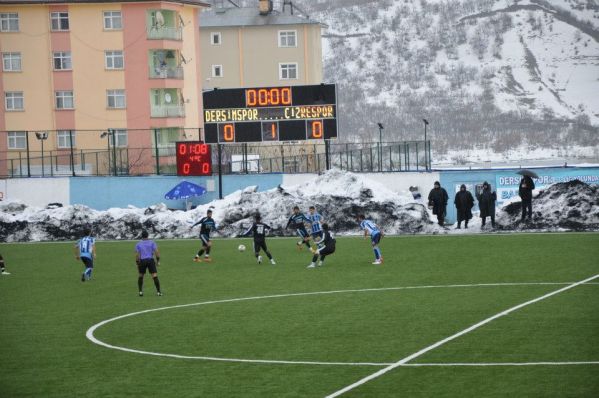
144	152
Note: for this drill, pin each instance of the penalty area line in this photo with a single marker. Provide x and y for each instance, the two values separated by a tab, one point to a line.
431	347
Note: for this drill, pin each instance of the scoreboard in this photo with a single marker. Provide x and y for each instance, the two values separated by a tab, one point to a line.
266	114
193	159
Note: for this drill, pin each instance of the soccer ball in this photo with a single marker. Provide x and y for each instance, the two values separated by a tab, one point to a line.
241	248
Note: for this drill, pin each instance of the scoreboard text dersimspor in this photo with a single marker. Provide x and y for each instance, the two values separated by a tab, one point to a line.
291	113
193	159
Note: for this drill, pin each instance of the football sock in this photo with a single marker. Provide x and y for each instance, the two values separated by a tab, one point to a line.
314	258
200	253
140	283
269	255
208	250
88	273
377	253
156	283
307	244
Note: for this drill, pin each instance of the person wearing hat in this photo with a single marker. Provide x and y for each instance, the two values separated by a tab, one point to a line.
437	201
486	203
463	203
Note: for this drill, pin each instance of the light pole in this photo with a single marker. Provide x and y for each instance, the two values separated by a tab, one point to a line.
380	146
42	136
425	149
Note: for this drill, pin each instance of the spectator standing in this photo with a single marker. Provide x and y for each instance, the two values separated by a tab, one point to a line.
463	203
437	201
525	192
486	203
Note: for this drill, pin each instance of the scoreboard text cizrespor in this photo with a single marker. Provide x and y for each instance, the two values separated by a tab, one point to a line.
290	113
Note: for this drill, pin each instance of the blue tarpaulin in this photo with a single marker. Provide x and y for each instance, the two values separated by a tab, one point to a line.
185	190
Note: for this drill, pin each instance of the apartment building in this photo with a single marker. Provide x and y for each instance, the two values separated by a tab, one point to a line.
72	69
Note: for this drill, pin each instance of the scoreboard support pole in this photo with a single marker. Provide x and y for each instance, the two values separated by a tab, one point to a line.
327	160
220	171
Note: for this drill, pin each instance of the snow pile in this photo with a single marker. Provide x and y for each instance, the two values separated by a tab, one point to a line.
572	206
338	196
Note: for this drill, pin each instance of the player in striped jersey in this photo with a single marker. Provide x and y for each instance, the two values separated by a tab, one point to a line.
85	250
296	221
370	228
315	220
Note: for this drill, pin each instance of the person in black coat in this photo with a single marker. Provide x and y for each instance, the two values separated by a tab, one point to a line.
437	200
525	192
463	203
486	203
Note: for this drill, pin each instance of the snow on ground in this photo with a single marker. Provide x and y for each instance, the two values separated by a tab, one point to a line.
338	196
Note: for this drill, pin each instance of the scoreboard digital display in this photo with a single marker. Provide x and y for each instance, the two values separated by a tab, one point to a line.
193	159
263	114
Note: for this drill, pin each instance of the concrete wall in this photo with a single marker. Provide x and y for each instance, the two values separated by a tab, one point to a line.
37	191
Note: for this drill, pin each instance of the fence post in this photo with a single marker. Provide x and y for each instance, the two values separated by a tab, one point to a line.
72	155
417	157
156	153
28	157
111	131
97	165
51	165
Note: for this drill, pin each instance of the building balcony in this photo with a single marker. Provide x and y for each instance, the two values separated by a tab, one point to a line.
164	33
177	110
166	72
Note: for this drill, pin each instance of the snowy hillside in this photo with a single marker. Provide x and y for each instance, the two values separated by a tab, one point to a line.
492	74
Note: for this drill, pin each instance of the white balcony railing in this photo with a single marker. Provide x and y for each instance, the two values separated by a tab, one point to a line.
164	32
166	72
168	111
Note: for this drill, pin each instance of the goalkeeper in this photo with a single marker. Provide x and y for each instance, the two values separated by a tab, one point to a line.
146	251
325	247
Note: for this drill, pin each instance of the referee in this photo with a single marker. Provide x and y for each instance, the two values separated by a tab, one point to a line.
146	251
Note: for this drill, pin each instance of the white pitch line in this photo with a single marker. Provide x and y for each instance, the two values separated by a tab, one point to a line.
453	337
501	364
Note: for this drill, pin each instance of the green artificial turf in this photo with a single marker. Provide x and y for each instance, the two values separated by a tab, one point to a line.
46	311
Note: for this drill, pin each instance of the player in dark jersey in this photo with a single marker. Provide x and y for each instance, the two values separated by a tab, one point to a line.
3	270
145	250
296	221
207	224
259	230
326	247
85	250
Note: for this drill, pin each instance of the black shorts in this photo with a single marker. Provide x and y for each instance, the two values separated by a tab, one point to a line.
88	262
327	251
205	239
260	244
147	264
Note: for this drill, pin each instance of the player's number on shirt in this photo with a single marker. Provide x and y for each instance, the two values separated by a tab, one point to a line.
260	229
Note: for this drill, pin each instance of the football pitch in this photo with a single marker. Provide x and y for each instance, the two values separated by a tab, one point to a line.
444	316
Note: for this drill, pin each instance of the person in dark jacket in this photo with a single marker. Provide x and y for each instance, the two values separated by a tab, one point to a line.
525	192
486	203
437	200
463	203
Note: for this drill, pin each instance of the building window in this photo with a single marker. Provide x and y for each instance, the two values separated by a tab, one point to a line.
114	59
115	99
11	62
9	22
215	38
13	101
166	137
17	140
120	137
63	139
62	60
64	100
287	38
59	20
113	20
288	71
217	71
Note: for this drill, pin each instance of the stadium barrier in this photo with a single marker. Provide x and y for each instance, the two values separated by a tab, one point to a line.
120	152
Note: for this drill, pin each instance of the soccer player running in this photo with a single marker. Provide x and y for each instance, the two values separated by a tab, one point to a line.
144	258
370	228
315	220
207	224
259	230
297	221
325	247
3	270
85	250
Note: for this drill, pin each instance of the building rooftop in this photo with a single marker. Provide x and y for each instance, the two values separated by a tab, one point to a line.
249	16
21	2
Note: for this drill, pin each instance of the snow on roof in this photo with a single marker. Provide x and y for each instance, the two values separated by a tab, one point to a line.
249	16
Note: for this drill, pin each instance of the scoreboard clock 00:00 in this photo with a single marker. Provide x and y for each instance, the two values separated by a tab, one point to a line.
290	113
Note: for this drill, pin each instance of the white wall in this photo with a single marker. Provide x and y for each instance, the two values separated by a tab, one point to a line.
2	189
37	191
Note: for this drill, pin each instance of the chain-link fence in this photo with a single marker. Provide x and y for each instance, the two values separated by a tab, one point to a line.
129	152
